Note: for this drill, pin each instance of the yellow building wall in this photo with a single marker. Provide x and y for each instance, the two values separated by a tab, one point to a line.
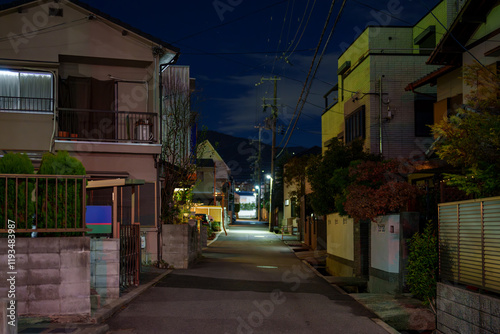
492	24
440	11
340	244
332	124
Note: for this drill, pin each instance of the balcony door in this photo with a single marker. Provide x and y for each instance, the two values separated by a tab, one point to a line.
84	102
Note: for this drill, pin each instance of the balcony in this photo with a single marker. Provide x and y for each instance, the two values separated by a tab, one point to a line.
107	126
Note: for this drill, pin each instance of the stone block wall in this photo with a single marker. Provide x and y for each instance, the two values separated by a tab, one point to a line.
105	268
463	311
52	276
181	245
203	236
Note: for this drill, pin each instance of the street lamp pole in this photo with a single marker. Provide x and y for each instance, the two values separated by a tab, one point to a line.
270	200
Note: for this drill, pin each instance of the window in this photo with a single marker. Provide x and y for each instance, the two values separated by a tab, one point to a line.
26	91
355	125
424	115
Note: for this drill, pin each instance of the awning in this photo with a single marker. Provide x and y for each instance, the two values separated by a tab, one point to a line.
114	183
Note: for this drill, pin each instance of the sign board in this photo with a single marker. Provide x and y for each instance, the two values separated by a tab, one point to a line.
98	218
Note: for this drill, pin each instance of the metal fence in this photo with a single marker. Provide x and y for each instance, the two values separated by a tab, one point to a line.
469	242
43	203
130	253
111	126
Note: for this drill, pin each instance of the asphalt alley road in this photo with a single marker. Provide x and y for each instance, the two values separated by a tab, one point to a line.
247	282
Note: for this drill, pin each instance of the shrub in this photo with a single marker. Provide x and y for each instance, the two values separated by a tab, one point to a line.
61	194
16	163
215	226
422	266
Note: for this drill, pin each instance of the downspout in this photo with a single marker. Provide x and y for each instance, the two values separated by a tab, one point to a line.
55	111
380	117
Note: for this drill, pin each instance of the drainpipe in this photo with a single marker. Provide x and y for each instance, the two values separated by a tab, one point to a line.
380	117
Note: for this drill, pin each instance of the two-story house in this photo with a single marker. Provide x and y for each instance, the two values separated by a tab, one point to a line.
370	103
75	79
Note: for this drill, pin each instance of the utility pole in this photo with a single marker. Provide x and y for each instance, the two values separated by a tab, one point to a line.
273	118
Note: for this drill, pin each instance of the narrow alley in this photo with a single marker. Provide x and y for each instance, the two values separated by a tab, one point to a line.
247	282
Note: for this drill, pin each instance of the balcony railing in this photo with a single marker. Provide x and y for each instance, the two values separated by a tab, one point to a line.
42	203
107	126
26	104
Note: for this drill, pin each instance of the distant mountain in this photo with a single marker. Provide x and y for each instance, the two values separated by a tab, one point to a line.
237	151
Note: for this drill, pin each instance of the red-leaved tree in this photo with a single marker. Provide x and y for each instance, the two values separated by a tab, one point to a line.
378	188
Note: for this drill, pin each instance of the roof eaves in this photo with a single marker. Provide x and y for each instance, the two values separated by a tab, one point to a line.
429	77
451	47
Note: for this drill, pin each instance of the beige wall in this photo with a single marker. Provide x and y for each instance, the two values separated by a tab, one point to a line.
80	36
449	85
340	236
25	132
139	167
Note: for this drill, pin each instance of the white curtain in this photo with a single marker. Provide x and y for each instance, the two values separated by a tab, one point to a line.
26	91
9	90
36	91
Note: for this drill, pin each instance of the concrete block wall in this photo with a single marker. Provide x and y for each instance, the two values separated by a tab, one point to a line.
105	268
53	276
463	311
203	236
181	245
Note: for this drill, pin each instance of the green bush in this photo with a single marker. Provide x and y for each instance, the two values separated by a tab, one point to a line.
215	226
16	163
423	266
61	196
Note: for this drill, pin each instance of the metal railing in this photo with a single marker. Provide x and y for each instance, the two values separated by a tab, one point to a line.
30	104
43	203
469	242
107	126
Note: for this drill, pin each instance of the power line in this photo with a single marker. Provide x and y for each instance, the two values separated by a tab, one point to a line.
315	71
43	30
303	30
310	68
241	52
230	21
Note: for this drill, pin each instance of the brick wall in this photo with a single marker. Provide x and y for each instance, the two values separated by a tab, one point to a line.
53	275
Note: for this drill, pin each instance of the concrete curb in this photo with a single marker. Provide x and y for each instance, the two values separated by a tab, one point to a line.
96	329
108	310
214	239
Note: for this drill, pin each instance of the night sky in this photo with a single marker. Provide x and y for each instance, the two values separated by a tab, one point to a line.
231	44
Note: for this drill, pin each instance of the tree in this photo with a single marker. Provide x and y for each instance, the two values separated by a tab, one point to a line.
179	148
377	188
329	175
470	138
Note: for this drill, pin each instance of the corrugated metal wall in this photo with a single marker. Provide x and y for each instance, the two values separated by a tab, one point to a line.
469	242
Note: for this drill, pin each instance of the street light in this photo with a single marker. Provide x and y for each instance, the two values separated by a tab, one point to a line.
270	199
257	188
